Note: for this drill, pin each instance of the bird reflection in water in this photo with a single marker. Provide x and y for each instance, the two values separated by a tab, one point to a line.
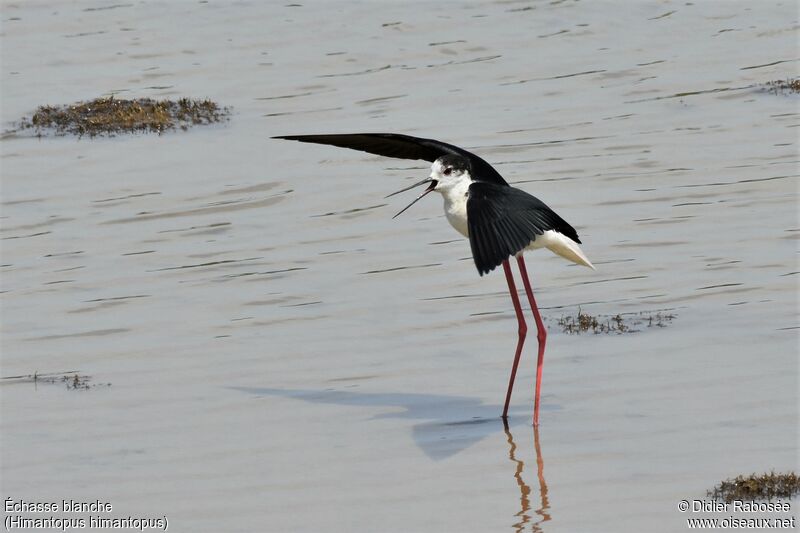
524	514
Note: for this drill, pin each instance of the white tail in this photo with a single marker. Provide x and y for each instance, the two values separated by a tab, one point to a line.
561	245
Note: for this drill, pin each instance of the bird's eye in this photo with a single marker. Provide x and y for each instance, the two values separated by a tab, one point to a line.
447	171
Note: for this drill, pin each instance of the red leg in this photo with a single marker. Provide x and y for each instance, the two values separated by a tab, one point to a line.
541	511
541	336
523	330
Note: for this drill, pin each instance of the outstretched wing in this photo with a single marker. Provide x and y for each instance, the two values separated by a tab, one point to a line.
504	220
402	147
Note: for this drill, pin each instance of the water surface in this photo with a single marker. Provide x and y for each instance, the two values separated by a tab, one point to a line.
283	356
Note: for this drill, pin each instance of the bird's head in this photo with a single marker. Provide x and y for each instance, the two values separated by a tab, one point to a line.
446	172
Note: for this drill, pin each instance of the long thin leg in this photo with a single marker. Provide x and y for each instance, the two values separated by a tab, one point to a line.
523	330
541	511
541	335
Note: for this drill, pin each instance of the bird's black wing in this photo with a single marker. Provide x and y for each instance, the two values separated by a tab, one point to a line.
504	220
402	147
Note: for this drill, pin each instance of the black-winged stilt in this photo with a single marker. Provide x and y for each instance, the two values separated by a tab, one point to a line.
500	221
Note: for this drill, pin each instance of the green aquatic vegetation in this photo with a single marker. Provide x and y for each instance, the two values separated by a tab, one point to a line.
111	116
757	487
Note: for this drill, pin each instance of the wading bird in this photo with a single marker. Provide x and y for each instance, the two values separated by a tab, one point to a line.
500	221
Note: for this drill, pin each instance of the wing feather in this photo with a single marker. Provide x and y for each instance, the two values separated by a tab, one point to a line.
402	147
503	221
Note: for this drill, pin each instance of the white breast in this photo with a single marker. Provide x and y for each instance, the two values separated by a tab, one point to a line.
455	206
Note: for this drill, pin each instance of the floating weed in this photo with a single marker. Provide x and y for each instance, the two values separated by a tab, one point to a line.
757	487
788	85
72	379
111	116
629	323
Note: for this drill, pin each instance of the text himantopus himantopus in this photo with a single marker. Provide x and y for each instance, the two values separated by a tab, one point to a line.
500	221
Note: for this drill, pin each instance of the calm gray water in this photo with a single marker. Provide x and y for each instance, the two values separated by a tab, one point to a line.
283	356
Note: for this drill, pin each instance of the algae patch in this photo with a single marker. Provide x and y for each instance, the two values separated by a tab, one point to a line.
757	487
111	116
619	323
72	379
791	86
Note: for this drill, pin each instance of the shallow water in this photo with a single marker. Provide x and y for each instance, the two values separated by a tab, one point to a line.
283	356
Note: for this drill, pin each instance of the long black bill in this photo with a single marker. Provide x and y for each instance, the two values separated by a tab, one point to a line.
417	184
431	187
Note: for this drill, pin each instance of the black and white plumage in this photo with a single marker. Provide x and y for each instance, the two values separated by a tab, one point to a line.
500	221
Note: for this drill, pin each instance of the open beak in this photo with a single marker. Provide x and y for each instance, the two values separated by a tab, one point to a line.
431	187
